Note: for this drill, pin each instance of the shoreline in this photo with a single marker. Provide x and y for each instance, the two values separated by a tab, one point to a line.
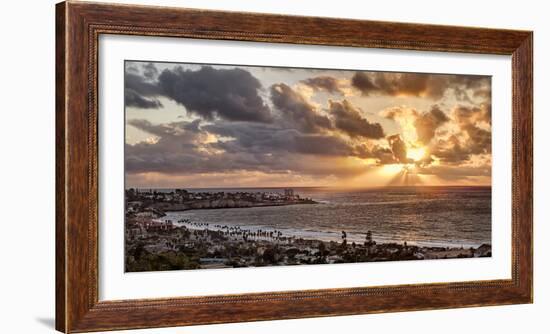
183	200
166	246
338	188
185	207
316	235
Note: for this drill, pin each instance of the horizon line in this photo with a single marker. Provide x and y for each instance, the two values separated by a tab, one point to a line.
334	187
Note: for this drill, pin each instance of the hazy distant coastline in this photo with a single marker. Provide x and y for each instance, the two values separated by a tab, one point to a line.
183	200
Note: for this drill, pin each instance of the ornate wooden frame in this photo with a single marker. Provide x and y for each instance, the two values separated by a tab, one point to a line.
78	25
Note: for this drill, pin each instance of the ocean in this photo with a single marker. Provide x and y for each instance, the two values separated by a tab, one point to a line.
420	215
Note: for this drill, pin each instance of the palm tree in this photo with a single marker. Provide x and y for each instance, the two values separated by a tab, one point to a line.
368	242
344	238
368	238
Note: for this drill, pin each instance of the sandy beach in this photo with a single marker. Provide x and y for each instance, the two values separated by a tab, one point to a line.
167	245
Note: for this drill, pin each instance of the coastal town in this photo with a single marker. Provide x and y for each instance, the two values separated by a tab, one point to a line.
182	200
153	242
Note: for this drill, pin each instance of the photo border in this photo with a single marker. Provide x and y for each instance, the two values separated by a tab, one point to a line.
78	27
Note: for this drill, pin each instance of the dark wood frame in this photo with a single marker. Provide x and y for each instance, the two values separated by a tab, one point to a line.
78	26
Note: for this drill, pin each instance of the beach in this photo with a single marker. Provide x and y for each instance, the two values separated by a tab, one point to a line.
167	246
226	228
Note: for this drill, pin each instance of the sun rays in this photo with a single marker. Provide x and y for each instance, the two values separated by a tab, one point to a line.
416	153
406	176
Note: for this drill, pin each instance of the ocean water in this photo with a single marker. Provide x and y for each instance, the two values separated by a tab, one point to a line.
421	215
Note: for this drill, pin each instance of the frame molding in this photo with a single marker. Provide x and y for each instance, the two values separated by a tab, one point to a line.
78	27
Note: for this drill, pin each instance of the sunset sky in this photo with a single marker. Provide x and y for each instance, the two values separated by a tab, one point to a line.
192	125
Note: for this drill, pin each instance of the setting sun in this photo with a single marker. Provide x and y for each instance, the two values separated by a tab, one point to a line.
303	166
416	153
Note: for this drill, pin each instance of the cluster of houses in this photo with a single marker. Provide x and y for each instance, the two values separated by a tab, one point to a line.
192	245
135	196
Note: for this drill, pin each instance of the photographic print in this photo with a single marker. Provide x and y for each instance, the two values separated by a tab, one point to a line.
230	166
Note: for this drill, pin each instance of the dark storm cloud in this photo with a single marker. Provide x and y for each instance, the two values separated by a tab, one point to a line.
133	99
179	148
297	110
131	68
141	85
348	119
174	149
428	122
230	94
174	128
328	145
266	139
324	83
150	71
431	86
140	92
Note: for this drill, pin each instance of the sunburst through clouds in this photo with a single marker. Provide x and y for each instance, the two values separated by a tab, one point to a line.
241	126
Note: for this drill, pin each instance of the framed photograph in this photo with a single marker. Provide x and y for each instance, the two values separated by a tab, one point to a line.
222	167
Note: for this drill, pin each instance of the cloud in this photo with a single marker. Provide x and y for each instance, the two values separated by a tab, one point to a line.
231	94
432	86
480	139
150	71
475	122
399	149
134	99
348	119
466	87
174	128
297	110
383	155
175	149
468	135
141	85
324	83
426	124
240	128
456	173
186	148
140	92
473	138
450	150
472	115
268	139
395	84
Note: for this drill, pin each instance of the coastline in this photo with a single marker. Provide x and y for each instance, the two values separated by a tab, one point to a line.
309	234
211	205
162	234
190	245
183	200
